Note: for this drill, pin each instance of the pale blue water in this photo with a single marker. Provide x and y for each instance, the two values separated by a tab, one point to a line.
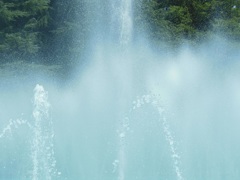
129	114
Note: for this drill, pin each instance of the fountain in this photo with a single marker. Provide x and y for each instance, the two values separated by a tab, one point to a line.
41	147
125	128
12	125
44	163
129	114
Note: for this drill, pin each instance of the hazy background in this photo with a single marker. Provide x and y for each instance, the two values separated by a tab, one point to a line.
186	53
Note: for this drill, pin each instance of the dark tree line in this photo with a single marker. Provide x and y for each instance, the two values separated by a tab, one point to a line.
58	30
21	23
173	21
42	29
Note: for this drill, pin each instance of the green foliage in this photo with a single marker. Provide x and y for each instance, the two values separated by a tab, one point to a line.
227	22
180	20
173	21
68	30
201	14
60	29
165	22
20	25
21	42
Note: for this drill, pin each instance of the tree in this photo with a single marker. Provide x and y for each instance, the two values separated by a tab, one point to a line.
227	18
21	23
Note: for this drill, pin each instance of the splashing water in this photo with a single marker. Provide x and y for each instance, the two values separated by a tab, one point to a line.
44	163
13	124
121	22
204	97
124	128
170	139
121	161
126	22
42	152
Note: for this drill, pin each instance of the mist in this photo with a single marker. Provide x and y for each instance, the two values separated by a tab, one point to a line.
130	112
